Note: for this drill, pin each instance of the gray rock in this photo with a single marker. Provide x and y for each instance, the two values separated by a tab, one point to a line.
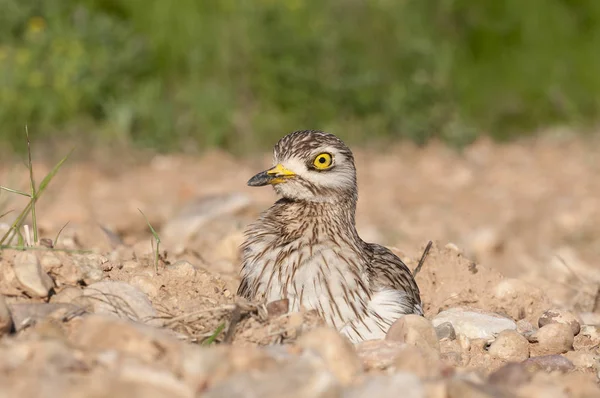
303	377
549	363
123	300
398	384
445	331
30	274
474	324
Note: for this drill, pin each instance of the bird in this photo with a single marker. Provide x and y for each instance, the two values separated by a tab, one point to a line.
305	247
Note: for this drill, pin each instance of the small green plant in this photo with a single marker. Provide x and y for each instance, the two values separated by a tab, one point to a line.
30	209
213	337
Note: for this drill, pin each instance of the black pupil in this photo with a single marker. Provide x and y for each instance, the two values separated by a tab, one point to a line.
322	160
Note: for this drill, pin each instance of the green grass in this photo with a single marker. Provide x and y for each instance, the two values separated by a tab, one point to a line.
239	74
6	241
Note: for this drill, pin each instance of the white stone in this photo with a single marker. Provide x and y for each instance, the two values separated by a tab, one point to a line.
474	324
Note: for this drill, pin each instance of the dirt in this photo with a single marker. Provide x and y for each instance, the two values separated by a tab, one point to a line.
514	226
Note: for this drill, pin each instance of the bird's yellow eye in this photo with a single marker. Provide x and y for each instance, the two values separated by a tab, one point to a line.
323	161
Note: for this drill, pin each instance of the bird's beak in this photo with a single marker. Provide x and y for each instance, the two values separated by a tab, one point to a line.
273	176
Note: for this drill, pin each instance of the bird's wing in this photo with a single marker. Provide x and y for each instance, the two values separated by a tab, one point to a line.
388	272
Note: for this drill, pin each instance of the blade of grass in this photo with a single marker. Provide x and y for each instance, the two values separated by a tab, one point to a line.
34	197
156	238
44	184
211	339
15	191
5	213
59	232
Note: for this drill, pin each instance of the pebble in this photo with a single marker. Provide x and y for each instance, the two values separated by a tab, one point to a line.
24	314
445	331
155	380
336	351
474	324
583	360
512	374
510	346
123	300
182	269
304	377
99	333
30	274
548	363
50	262
553	338
145	284
278	307
421	361
588	337
388	386
68	295
414	330
560	316
460	388
6	321
378	354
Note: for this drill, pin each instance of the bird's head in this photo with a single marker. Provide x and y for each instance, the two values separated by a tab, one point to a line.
312	166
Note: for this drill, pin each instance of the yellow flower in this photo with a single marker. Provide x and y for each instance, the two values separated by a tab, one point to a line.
36	25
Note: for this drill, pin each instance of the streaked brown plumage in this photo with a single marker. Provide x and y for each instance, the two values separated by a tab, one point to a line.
306	247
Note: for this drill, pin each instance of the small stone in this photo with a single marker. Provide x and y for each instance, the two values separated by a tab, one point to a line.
182	269
512	374
539	390
6	321
460	388
553	338
378	354
548	363
68	295
589	336
31	276
560	316
123	300
98	333
583	360
445	331
388	386
25	314
145	284
301	378
414	330
510	346
50	262
421	361
155	380
525	327
474	324
278	307
337	352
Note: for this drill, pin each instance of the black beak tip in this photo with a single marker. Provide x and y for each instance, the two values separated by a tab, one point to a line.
259	180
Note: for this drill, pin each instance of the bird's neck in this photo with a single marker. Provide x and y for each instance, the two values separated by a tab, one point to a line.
335	215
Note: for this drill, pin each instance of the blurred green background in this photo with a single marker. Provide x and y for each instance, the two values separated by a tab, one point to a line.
175	75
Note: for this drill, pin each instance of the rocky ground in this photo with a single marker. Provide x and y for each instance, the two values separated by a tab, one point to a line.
510	285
